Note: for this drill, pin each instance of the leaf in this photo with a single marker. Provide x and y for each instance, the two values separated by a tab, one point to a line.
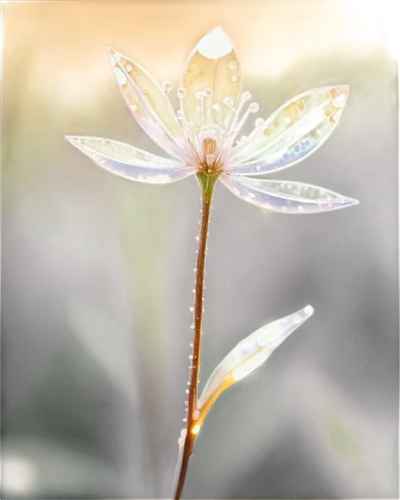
248	355
288	197
129	162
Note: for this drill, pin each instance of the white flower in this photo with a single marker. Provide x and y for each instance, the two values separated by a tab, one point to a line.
202	134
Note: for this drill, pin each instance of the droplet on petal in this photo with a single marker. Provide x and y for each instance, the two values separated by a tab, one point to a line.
232	65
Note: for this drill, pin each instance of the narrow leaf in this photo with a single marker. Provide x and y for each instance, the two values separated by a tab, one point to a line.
248	355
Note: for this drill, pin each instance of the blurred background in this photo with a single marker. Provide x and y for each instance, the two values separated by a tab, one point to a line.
98	272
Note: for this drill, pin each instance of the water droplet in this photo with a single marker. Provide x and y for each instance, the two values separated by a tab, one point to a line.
199	95
234	78
259	122
254	107
128	68
181	93
229	102
216	107
232	65
287	120
208	92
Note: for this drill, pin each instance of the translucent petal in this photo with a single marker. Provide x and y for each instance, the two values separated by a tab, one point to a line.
148	102
286	196
129	162
213	64
249	354
296	129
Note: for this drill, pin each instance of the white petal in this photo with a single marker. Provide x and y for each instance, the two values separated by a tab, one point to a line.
129	162
149	104
249	354
294	130
213	65
288	197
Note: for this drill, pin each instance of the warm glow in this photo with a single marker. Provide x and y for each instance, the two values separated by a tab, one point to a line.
196	429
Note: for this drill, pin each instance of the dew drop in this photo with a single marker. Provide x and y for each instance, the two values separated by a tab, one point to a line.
259	122
232	65
234	78
181	93
128	68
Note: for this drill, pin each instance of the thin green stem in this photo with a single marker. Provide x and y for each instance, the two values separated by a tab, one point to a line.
207	183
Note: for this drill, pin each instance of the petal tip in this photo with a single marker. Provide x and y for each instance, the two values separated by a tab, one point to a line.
215	44
114	55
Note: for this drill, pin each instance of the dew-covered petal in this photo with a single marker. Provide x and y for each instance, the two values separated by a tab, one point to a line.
288	197
248	355
294	130
149	103
129	162
214	67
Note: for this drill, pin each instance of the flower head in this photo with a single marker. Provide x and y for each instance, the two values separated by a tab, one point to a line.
202	135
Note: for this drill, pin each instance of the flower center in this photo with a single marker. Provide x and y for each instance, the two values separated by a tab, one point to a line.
210	127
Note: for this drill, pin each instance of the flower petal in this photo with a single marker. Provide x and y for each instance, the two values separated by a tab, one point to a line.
286	196
129	162
248	355
294	130
214	66
149	103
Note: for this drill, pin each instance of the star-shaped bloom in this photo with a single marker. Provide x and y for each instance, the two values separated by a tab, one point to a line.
201	136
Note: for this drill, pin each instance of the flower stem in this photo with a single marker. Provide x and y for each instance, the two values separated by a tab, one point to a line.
207	183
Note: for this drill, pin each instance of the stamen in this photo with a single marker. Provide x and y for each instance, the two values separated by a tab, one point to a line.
253	108
243	98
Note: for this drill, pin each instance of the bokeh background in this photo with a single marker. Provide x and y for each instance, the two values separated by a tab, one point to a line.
98	272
